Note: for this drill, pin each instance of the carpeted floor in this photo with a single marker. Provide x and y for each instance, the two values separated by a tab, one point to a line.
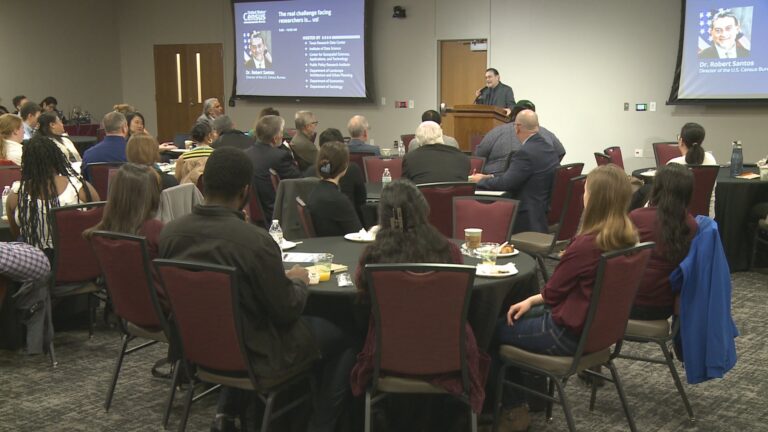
35	397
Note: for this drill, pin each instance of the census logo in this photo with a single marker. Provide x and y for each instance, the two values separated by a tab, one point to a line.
255	17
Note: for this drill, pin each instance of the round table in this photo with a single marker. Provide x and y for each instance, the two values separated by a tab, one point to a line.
82	142
488	294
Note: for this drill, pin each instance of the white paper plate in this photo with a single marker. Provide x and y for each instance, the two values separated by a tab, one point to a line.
470	253
287	244
507	255
356	237
496	271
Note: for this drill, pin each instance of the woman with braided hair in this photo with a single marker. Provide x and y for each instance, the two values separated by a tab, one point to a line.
47	181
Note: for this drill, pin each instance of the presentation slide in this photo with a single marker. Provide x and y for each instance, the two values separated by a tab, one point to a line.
300	48
724	53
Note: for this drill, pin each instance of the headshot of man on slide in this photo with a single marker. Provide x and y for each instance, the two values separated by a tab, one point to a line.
727	39
261	58
495	92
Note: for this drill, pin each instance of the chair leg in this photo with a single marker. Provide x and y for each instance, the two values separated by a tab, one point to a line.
542	268
499	394
622	396
676	379
116	373
51	351
174	383
91	312
367	411
472	420
566	405
551	391
267	412
187	406
593	395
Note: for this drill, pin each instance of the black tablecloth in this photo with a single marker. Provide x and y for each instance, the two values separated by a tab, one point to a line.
82	143
488	296
734	197
5	231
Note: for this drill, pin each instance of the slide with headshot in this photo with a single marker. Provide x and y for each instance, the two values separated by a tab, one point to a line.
300	48
724	50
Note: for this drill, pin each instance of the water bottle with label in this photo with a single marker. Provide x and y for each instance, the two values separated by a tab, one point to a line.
276	232
737	159
6	192
400	148
386	178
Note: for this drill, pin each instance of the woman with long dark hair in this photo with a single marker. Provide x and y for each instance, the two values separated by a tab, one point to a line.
51	126
667	222
690	143
47	181
332	212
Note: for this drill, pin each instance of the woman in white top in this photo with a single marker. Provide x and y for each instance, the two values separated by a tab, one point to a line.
11	135
47	181
50	125
689	141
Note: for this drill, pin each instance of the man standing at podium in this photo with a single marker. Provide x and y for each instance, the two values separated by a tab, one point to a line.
495	92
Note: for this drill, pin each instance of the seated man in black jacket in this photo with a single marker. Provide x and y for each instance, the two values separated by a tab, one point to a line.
434	161
229	136
282	342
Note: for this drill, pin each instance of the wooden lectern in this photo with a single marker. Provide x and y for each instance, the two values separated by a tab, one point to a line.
464	121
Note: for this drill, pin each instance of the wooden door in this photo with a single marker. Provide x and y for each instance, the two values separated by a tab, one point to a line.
185	76
462	72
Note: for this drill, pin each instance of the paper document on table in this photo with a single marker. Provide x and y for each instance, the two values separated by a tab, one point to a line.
489	193
335	268
300	257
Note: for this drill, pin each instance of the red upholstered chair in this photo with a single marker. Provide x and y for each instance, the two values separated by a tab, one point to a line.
439	196
474	141
374	168
664	152
476	164
602	159
98	172
75	267
495	216
563	176
275	178
8	175
357	158
127	270
422	336
704	177
542	245
618	277
406	139
305	218
615	154
6	162
205	305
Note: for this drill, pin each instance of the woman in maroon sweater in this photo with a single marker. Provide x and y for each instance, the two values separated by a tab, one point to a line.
666	222
560	311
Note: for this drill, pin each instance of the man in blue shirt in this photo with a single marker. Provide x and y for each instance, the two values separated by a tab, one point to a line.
358	130
112	147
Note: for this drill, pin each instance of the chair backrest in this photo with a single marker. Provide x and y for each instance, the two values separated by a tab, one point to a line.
616	283
406	139
563	176
474	141
704	177
127	270
204	303
426	334
572	209
374	168
275	178
602	159
74	260
305	218
6	162
440	199
615	154
255	212
98	172
357	158
9	174
496	216
664	152
178	201
476	164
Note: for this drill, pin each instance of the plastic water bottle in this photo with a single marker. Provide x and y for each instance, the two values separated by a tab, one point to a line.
276	232
737	159
386	178
400	148
6	192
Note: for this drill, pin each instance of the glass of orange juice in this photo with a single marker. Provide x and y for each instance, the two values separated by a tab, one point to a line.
323	266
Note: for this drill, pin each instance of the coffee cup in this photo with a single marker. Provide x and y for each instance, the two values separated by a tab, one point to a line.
323	266
386	152
764	173
473	237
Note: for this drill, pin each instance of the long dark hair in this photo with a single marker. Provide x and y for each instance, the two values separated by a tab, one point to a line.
134	195
692	136
406	235
671	194
45	121
41	162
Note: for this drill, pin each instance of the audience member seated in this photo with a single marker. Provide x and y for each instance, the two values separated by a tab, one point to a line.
528	177
142	149
266	154
303	143
666	222
30	111
11	136
51	126
135	122
559	312
434	116
434	161
501	142
192	163
352	184
332	213
358	130
112	147
281	341
18	102
124	108
211	110
690	143
47	181
50	105
228	135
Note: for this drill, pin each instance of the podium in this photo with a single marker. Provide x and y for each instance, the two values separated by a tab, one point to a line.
465	121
